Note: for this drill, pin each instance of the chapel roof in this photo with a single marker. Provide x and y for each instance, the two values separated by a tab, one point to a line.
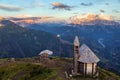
87	55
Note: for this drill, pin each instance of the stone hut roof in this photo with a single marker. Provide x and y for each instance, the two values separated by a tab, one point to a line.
46	51
87	55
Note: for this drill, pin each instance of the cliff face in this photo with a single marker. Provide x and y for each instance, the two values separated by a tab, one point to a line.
31	69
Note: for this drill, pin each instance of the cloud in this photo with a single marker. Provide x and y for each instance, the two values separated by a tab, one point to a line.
37	3
103	11
76	13
107	4
58	5
116	11
9	7
86	4
23	15
28	17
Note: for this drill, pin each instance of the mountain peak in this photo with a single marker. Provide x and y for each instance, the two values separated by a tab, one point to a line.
1	18
104	17
89	18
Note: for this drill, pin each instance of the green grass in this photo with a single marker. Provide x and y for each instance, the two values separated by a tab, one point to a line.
58	78
24	71
107	75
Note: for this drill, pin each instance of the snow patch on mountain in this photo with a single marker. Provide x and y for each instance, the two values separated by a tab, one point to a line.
91	19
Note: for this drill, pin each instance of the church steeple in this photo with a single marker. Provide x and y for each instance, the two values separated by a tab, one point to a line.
76	41
76	54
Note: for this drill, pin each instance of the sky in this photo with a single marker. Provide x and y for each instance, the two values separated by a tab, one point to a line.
61	9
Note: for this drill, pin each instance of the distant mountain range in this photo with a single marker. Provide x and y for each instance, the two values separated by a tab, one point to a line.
86	19
26	21
91	19
100	34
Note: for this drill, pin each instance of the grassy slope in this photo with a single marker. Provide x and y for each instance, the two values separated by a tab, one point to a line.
23	71
28	69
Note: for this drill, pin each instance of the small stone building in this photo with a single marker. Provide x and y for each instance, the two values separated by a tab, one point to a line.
46	54
12	59
85	61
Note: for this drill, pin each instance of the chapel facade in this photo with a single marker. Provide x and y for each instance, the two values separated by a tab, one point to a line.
84	61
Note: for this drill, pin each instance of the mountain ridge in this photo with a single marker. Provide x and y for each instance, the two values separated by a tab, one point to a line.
85	19
92	19
17	41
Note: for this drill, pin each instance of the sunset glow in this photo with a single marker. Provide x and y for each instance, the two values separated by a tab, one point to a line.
62	10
